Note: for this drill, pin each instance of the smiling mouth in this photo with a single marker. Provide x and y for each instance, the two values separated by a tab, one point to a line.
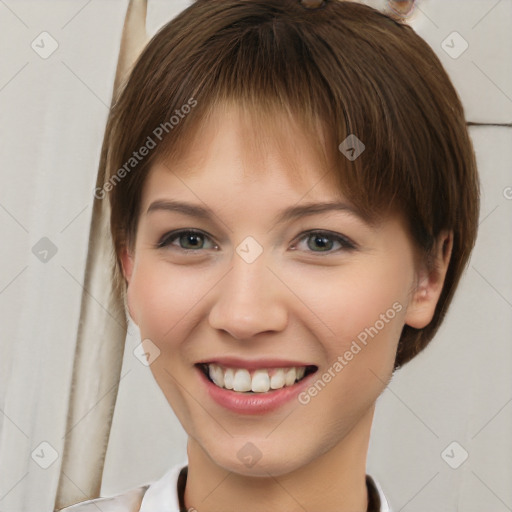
262	380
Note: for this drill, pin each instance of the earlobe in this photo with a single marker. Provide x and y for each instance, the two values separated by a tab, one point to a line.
431	280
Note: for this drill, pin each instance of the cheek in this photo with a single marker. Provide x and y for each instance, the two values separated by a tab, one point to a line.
365	304
162	296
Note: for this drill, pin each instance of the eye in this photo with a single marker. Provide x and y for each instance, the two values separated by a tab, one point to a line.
325	241
190	240
187	240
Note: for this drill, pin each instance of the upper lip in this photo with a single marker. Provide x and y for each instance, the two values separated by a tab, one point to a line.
254	364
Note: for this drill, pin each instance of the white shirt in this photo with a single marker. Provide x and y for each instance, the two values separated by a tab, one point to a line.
158	496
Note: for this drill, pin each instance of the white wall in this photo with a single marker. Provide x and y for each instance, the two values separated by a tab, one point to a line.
52	116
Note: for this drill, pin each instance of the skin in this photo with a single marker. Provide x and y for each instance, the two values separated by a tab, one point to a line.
297	299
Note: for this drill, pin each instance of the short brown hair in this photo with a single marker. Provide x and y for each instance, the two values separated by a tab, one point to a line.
345	67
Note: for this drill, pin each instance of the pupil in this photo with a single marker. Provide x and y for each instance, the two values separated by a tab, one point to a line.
322	241
190	238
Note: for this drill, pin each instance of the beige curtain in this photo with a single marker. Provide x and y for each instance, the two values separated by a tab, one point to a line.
102	330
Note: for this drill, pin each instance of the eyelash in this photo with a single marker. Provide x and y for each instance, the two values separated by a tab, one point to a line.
345	243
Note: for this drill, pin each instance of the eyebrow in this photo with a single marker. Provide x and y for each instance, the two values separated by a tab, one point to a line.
286	215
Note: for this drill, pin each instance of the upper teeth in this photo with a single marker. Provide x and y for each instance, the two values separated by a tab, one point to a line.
258	381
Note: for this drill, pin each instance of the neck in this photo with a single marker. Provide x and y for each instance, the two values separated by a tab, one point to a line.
332	481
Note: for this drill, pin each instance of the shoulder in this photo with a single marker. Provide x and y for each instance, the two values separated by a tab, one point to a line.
154	496
128	501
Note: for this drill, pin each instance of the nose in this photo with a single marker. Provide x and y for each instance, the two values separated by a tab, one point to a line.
250	300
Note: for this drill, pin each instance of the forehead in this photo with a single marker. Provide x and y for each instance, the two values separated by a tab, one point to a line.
234	146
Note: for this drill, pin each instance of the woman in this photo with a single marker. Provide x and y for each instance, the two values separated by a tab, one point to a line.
294	199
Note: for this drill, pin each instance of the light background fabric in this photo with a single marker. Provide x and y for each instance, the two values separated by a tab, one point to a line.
53	113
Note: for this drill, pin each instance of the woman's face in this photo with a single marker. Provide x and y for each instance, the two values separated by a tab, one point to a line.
256	292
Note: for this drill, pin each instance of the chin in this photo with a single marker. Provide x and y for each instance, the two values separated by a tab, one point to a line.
250	458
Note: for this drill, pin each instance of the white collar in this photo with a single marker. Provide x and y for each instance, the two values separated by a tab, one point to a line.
162	494
384	505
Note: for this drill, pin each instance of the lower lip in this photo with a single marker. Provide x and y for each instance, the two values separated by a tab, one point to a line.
254	403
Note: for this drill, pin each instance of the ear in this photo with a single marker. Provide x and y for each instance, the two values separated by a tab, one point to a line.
425	296
127	262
